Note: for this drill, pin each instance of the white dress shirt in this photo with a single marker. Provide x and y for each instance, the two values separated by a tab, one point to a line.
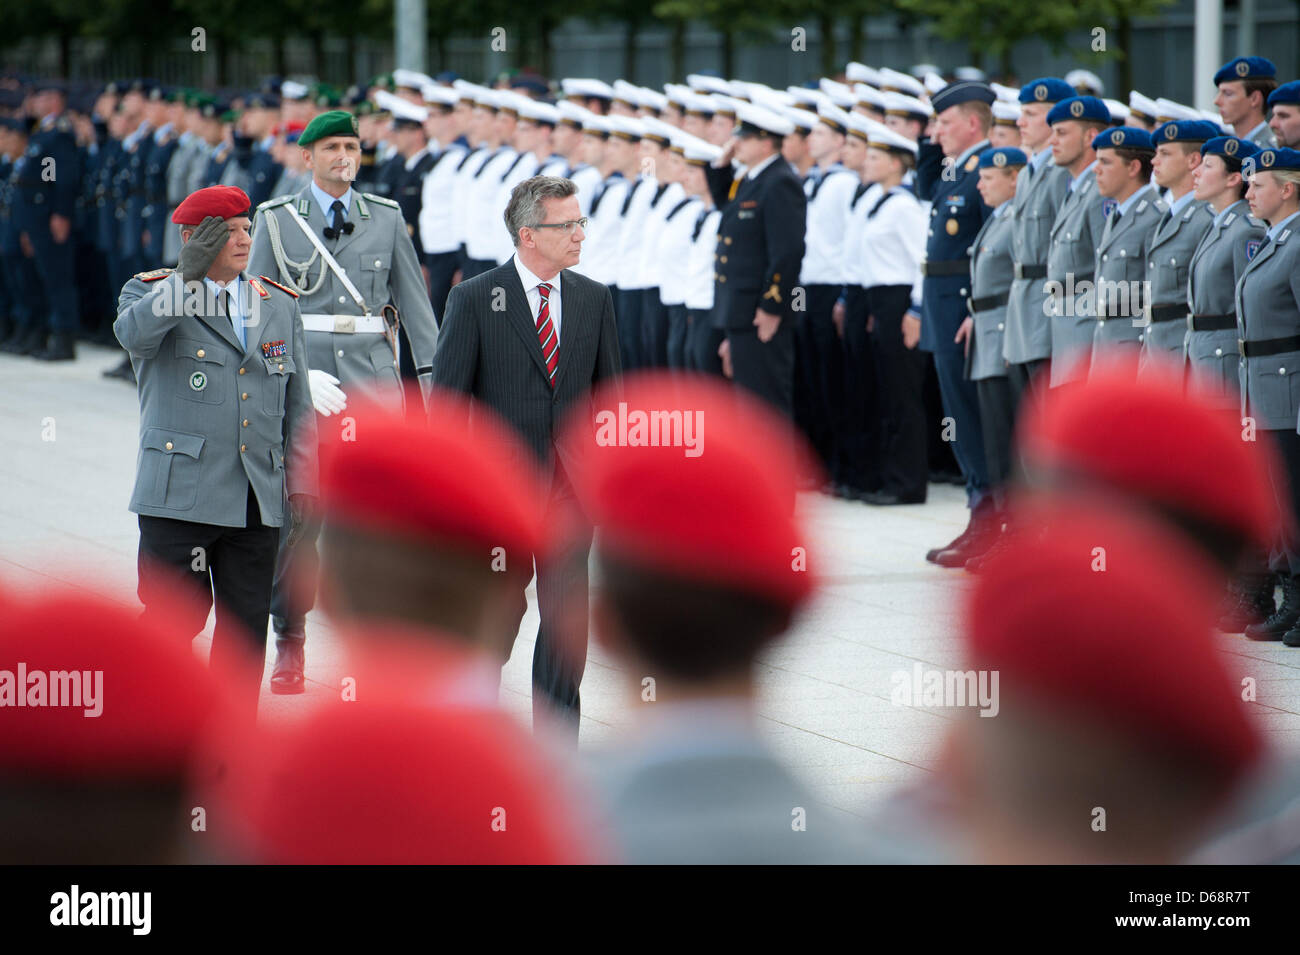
234	305
893	242
530	283
437	203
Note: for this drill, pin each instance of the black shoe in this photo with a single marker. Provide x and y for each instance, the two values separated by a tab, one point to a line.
1291	638
889	498
61	348
1250	602
287	675
1284	618
32	341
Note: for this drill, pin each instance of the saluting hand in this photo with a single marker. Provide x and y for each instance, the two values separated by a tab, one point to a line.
205	244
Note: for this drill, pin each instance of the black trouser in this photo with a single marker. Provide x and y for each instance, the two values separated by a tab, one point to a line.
473	267
54	266
858	467
200	562
819	372
765	368
997	420
679	324
703	339
1029	378
560	653
903	462
654	329
627	313
1286	491
442	268
297	571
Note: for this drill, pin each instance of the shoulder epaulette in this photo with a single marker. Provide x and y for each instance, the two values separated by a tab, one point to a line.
382	200
154	275
287	291
259	288
277	201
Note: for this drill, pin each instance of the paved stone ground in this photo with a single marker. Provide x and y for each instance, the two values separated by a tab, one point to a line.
825	691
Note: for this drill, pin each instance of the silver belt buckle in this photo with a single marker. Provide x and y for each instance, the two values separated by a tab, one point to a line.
345	324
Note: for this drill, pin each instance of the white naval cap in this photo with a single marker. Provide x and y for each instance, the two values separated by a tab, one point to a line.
579	86
399	108
856	72
292	89
900	104
625	127
1008	94
1167	109
882	137
802	96
863	127
698	152
437	93
934	82
724	105
596	125
833	116
896	82
657	130
411	79
698	105
840	95
703	83
571	114
864	95
760	117
802	118
652	99
625	92
466	90
1087	82
1004	113
1118	111
1143	106
538	112
509	101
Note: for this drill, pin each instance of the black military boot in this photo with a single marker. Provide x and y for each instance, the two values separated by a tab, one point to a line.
33	341
61	348
1251	602
286	675
985	527
1284	618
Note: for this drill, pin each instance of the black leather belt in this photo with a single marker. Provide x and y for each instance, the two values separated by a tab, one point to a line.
1023	271
988	302
947	267
1268	346
1168	313
1211	323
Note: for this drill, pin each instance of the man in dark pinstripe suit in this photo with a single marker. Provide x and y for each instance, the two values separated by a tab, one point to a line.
529	339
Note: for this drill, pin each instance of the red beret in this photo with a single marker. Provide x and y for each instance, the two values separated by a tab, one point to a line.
688	475
225	202
461	478
1153	439
1111	619
394	784
151	697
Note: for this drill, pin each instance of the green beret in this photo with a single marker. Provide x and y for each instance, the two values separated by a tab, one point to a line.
334	123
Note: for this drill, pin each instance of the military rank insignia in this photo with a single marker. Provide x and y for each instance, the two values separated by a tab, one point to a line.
971	163
1252	246
276	349
1107	207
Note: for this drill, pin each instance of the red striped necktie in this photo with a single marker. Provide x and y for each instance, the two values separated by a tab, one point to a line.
546	332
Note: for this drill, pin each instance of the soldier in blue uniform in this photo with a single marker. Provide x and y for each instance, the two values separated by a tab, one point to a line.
1285	124
760	250
157	152
47	192
1244	87
946	177
22	284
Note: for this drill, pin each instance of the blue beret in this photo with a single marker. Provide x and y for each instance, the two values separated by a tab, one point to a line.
1246	68
1185	131
1288	93
963	91
1124	137
1270	159
1088	108
1230	148
1048	89
1003	157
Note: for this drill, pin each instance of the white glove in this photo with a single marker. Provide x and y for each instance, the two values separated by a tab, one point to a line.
326	394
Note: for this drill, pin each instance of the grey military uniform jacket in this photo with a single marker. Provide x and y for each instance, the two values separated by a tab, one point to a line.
187	153
1120	273
1268	307
379	259
216	417
1168	265
1038	197
991	280
1218	262
1071	258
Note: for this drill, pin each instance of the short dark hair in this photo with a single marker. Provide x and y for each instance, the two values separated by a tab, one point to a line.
1126	156
689	629
1261	85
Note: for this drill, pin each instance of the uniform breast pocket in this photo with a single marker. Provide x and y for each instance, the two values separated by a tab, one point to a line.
375	265
169	469
201	371
278	371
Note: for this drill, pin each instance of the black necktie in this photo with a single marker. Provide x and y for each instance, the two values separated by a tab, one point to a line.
338	226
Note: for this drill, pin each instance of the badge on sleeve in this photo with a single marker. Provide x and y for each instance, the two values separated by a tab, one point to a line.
1252	246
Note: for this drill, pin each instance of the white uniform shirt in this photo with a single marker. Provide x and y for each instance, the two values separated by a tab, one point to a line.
601	248
485	223
699	264
670	260
628	267
828	219
438	202
893	242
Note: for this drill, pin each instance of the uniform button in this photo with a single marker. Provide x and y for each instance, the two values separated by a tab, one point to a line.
1105	259
1218	352
244	396
245	422
931	232
724	258
243	448
727	240
1123	253
377	263
961	292
342	299
168	445
952	208
1281	371
1101	322
340	352
242	370
999	326
722	278
200	353
1173	261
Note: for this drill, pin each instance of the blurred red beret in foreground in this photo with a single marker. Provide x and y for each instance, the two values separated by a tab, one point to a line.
693	477
221	201
395	784
133	702
468	483
1111	620
1152	439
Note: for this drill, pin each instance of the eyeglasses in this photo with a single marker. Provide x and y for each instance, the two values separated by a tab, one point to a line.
568	226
